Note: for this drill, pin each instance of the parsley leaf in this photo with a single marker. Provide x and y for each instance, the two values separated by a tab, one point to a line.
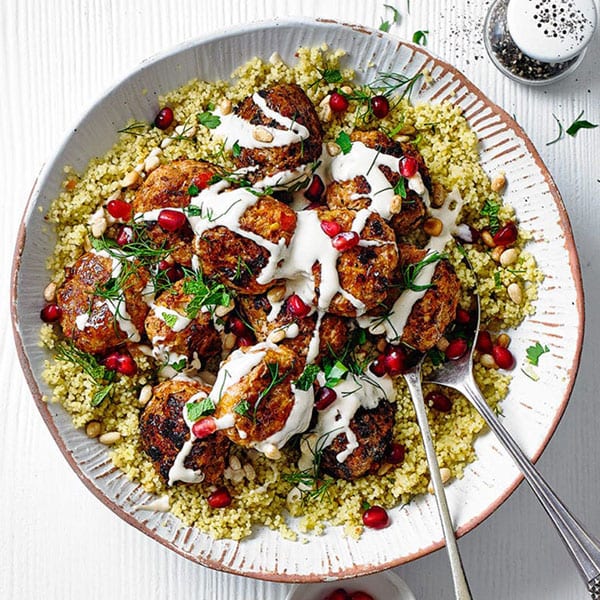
179	365
236	149
490	210
204	407
209	120
343	141
534	352
580	124
305	381
193	190
420	37
170	319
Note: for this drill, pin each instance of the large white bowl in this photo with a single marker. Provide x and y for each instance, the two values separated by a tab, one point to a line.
532	409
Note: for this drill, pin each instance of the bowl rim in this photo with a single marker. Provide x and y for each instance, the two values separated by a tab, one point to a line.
228	32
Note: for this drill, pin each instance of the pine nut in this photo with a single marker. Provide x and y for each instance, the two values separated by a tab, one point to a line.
324	110
487	361
408	129
509	257
488	239
229	341
234	463
99	226
499	182
384	468
276	294
433	226
249	472
346	89
145	395
276	336
438	196
132	179
50	292
151	163
93	429
445	475
515	293
166	142
260	134
155	152
402	138
237	476
396	204
497	253
221	311
271	451
114	196
109	438
503	340
381	345
333	149
442	344
225	106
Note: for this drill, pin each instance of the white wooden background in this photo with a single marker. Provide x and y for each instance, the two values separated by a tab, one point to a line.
56	540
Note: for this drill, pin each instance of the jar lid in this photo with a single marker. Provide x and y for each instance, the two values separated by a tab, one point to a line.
551	30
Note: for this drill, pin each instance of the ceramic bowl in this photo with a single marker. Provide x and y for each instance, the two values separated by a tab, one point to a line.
532	409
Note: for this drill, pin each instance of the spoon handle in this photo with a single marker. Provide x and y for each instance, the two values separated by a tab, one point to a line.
584	549
461	586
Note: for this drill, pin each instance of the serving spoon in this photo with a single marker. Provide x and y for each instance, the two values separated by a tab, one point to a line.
412	376
583	548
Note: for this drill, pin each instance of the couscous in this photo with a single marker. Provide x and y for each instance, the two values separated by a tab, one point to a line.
164	284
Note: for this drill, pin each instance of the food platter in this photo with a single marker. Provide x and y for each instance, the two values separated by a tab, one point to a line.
533	408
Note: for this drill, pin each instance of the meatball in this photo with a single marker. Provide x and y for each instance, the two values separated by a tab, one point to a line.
261	401
191	338
290	101
333	332
365	270
96	315
373	430
431	315
236	260
163	432
168	186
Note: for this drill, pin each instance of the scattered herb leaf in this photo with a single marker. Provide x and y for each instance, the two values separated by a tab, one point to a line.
420	37
170	319
242	408
497	279
196	410
193	190
179	365
400	188
385	25
534	352
204	294
580	124
490	210
560	132
411	272
306	380
332	75
236	149
209	120
343	141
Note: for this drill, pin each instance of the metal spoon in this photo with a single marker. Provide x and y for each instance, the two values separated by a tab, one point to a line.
413	381
583	548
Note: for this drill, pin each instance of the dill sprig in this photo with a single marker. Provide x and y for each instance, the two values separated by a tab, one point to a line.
99	374
411	272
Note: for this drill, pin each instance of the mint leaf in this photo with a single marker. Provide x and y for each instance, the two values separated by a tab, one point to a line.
343	141
204	407
170	319
305	381
534	352
209	120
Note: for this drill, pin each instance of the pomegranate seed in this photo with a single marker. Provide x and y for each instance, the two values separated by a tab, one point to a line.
164	118
126	365
119	209
438	401
380	106
204	427
315	190
394	361
408	166
339	594
297	306
506	235
174	273
463	317
51	313
220	498
236	326
456	348
361	596
375	517
345	240
171	220
245	340
484	342
125	236
111	362
377	367
325	397
338	103
503	357
396	453
331	228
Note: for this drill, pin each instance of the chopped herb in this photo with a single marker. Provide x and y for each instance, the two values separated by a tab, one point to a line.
343	141
193	190
236	149
365	505
534	352
436	356
497	279
331	75
192	210
101	376
400	188
306	380
490	210
204	294
335	373
135	128
420	37
560	132
242	408
209	120
179	365
580	124
385	25
196	410
411	272
170	319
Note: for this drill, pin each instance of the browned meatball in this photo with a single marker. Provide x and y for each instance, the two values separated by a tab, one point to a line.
262	400
431	315
168	187
196	339
373	431
163	432
333	332
364	271
94	323
289	100
237	261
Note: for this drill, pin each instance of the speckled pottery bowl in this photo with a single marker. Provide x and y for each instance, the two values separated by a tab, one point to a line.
532	409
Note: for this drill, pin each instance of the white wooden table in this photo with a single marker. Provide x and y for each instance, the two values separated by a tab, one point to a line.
56	540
